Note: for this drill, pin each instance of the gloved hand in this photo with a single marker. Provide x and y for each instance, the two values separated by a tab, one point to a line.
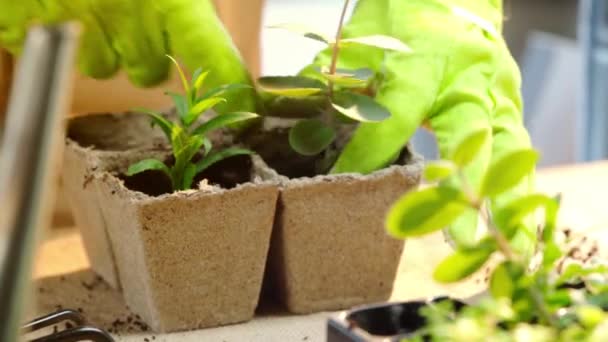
460	77
136	35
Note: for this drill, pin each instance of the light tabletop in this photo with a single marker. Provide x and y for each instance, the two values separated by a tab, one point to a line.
63	276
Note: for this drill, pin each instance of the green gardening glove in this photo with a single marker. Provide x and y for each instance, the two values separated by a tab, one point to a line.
459	78
136	35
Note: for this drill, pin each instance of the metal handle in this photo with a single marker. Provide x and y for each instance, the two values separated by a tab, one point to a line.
28	162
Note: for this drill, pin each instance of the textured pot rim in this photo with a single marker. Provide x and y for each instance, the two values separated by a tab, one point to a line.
260	180
413	167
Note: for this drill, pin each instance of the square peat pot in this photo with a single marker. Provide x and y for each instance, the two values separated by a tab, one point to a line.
190	259
91	141
330	249
388	322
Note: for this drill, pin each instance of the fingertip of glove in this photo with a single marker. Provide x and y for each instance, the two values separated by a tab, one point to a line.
97	70
148	76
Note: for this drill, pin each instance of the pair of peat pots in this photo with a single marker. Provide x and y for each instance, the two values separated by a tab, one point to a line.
198	258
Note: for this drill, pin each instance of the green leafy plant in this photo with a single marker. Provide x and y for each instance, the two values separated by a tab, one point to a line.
188	136
331	96
539	301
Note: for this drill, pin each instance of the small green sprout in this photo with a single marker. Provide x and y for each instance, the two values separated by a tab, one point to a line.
330	96
188	137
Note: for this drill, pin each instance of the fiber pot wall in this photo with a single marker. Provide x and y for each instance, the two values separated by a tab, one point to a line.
190	259
329	249
91	141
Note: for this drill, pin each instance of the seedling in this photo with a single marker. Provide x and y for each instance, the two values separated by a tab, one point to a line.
544	300
187	136
330	98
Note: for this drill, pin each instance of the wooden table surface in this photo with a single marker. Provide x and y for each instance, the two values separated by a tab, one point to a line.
63	277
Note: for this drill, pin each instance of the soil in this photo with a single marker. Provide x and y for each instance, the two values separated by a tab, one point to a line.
226	174
273	146
115	132
270	141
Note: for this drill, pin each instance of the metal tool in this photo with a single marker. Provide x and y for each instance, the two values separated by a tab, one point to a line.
77	331
28	170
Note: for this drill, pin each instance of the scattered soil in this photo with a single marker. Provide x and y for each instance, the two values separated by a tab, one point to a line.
226	174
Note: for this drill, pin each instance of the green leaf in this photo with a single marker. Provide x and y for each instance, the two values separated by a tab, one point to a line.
344	80
159	120
469	147
207	145
513	214
348	78
179	143
198	80
195	75
202	107
197	83
303	31
181	75
558	299
148	165
215	157
463	263
599	300
551	253
360	108
508	171
378	41
189	174
551	212
223	120
310	137
590	316
221	90
181	104
425	211
503	279
575	271
291	86
439	171
362	74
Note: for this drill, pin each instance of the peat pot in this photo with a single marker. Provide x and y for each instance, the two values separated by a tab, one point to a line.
330	249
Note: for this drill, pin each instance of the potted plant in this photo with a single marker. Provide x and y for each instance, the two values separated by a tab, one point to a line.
189	228
559	295
329	250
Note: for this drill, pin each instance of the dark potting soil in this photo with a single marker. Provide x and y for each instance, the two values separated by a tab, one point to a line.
114	132
226	174
273	146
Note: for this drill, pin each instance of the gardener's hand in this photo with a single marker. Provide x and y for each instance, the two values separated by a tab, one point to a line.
460	77
136	35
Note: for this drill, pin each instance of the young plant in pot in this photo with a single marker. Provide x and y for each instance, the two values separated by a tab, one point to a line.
542	300
329	250
190	228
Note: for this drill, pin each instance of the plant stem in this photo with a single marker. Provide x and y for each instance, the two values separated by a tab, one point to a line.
506	250
328	116
336	51
541	307
501	240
